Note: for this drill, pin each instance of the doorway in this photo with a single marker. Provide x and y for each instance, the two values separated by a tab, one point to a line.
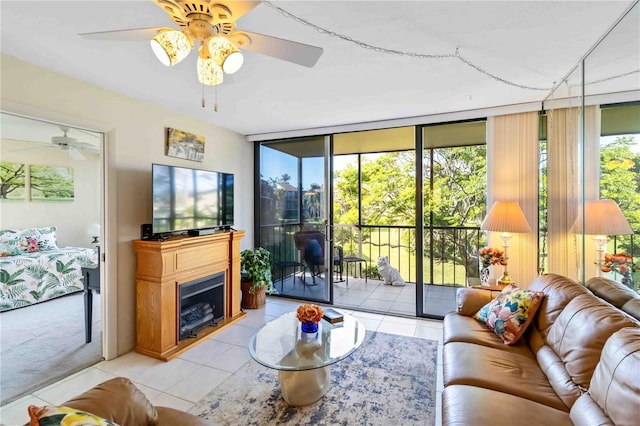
52	181
294	208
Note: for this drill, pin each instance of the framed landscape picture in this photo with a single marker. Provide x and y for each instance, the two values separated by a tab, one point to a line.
185	145
51	183
12	181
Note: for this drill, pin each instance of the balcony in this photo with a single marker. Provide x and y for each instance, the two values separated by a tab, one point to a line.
450	262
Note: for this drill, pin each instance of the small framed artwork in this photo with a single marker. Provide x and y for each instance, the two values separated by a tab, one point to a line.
185	145
51	183
12	181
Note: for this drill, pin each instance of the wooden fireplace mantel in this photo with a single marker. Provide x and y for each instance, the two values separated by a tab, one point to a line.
162	266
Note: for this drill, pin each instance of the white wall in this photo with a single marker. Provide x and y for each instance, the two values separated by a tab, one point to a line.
136	138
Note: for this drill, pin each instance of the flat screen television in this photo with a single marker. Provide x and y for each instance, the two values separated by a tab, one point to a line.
185	199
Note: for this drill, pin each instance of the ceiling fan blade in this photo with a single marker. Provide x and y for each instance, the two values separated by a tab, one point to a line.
136	34
292	51
83	146
239	8
75	154
43	146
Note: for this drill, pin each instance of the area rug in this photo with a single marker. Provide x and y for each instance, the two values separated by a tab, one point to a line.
389	380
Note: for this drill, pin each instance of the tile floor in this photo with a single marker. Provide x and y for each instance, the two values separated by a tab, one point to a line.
183	381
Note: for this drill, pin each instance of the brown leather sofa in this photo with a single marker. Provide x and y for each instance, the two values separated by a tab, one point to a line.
577	363
120	401
619	295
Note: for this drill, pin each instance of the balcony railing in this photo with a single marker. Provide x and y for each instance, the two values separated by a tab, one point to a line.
450	253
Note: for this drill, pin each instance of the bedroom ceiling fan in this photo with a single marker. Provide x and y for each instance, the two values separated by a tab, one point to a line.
212	26
71	145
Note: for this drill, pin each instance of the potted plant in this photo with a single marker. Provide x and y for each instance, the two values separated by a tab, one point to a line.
256	277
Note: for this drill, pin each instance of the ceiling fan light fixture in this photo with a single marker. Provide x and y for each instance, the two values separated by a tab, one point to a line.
171	47
226	54
209	72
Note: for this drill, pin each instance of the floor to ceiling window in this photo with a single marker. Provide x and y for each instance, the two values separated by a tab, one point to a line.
620	182
454	204
431	240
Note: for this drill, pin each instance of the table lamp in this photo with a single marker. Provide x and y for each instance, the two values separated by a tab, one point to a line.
601	219
505	217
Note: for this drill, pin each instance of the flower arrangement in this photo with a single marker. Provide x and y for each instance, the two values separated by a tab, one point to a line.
309	313
492	256
621	263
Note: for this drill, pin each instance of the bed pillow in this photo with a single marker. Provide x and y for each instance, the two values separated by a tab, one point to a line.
512	311
45	237
60	415
47	241
10	248
9	235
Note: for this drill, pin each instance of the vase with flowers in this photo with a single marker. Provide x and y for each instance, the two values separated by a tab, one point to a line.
620	263
309	316
490	256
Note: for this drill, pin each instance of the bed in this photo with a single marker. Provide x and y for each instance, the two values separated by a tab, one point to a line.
34	269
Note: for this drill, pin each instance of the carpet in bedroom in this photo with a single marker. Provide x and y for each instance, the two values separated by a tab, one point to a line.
389	380
43	343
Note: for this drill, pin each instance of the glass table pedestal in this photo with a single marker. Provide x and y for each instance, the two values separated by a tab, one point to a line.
304	360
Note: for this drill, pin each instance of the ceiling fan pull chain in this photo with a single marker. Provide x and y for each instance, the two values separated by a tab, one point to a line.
202	95
215	101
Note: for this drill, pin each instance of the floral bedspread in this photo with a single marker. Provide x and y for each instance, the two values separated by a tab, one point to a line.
35	277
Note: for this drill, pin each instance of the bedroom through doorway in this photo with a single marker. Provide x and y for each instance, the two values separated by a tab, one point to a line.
51	211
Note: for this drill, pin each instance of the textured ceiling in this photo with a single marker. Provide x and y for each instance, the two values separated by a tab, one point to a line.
532	44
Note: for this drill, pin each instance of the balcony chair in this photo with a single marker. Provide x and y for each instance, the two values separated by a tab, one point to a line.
311	247
338	264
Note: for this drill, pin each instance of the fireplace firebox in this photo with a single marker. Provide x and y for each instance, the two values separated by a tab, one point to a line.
201	304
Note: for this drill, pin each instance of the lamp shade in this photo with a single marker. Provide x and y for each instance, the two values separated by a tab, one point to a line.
93	230
226	54
601	217
171	47
209	72
505	216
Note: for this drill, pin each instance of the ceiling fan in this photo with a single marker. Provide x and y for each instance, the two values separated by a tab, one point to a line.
71	145
212	25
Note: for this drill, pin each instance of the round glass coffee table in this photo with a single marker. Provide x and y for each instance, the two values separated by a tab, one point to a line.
304	359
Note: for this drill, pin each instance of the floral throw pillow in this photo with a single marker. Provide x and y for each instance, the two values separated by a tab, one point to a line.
60	415
46	237
483	313
511	312
47	241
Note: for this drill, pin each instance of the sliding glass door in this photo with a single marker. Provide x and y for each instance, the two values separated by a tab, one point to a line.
293	216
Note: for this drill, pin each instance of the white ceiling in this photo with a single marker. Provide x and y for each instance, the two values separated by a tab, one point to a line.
533	43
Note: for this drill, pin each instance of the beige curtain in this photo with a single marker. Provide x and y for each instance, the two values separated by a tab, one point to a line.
512	174
565	176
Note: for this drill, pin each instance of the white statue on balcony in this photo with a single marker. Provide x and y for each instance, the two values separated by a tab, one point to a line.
389	274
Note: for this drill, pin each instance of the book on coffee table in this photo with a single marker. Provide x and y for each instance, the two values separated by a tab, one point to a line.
332	316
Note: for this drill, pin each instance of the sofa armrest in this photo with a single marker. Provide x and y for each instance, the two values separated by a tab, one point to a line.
470	300
118	400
